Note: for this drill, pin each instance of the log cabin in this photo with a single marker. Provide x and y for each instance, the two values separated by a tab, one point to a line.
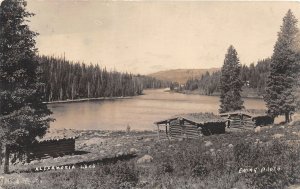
48	146
55	143
249	118
192	125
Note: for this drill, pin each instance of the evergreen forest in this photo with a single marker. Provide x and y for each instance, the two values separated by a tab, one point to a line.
254	77
65	79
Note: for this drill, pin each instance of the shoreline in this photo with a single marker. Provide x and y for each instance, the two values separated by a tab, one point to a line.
87	99
130	97
217	95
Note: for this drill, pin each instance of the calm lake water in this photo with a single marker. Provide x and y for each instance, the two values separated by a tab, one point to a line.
139	112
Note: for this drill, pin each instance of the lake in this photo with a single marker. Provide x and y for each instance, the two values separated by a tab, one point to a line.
138	112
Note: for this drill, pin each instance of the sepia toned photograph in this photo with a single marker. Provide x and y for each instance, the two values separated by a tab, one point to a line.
149	94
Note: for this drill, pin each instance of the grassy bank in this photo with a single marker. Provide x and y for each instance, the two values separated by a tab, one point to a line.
266	159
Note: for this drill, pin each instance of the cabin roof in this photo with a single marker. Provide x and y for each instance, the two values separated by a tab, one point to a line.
196	118
56	135
249	112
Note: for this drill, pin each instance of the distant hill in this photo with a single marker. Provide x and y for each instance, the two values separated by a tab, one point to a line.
181	75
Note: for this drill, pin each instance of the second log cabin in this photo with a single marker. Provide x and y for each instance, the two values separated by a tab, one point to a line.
248	118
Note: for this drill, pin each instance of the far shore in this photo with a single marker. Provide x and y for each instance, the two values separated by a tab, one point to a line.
129	97
214	94
87	99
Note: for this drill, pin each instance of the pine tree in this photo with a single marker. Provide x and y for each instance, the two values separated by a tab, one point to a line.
230	83
280	96
297	87
23	116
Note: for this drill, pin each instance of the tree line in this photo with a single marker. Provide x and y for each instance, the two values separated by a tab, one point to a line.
65	79
253	76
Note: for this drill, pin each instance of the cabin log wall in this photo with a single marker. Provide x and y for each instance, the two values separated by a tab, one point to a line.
188	130
175	130
192	131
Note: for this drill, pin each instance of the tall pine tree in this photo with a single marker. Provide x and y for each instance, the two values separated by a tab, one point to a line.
230	83
280	96
23	116
297	87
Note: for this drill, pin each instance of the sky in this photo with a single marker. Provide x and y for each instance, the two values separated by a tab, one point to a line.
149	36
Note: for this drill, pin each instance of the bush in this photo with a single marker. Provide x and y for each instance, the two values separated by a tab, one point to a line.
200	170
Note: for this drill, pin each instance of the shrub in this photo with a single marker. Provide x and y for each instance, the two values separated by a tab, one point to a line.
200	170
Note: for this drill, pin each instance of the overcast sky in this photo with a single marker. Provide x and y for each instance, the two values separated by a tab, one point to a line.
145	37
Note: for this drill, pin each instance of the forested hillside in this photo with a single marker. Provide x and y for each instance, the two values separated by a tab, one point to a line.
253	76
181	76
73	80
